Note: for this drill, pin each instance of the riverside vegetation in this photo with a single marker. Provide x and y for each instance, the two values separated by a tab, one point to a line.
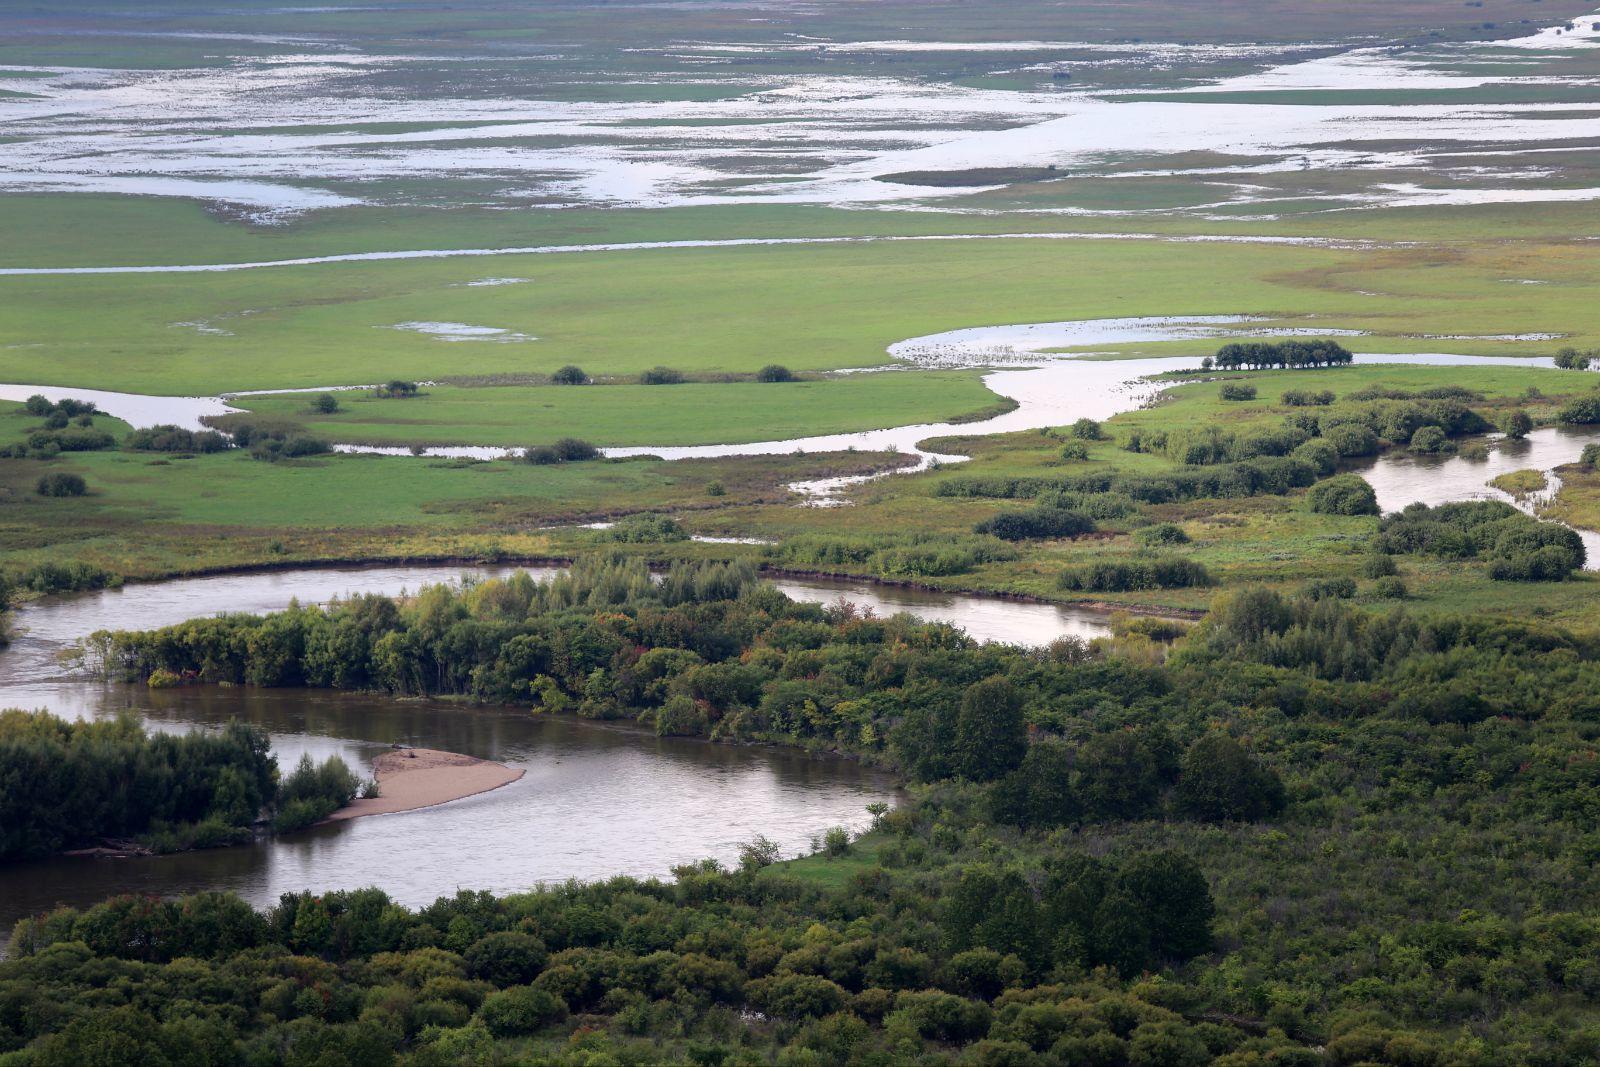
75	784
1299	832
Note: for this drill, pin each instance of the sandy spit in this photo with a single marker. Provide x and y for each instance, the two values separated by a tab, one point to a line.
414	778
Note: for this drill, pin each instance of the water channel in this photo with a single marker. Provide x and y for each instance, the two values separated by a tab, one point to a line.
596	800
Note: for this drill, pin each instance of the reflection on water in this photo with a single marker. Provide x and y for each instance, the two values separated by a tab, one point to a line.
595	801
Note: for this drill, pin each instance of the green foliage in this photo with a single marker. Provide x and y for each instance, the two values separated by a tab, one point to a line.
397	389
1429	439
566	450
325	404
660	376
1161	534
570	375
775	372
69	783
1086	430
312	792
1517	547
1074	451
1041	522
645	529
990	736
1220	780
61	484
1159	572
1343	494
175	439
1236	391
1516	424
1581	411
1257	355
1306	398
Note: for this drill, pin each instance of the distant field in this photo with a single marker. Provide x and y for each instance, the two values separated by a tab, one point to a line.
690	413
735	309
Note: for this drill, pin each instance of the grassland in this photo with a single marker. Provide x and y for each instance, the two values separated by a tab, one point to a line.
686	414
820	307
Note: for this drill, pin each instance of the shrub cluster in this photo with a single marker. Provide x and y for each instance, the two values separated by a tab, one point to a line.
175	439
1040	522
1343	494
566	450
1517	547
1121	576
1259	355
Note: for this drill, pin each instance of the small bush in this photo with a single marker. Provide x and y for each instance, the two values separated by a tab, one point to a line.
272	449
1041	522
61	484
325	404
521	1010
570	375
396	390
1378	565
1390	588
1162	533
1074	450
774	372
168	438
566	450
1237	391
1343	494
1590	457
836	842
1320	453
1086	430
1330	589
1160	573
1351	439
1583	411
716	489
1516	424
1430	439
661	376
1304	398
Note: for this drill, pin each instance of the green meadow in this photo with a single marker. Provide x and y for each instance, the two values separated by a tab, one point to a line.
619	414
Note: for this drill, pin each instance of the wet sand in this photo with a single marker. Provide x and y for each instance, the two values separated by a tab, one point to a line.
422	777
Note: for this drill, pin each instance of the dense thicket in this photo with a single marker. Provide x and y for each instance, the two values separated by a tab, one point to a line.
1394	813
70	783
1516	546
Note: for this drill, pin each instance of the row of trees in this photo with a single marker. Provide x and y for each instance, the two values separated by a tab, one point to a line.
1260	355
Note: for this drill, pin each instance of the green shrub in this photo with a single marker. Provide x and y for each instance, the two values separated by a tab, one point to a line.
1330	589
1378	565
1236	391
1304	398
1429	439
61	484
398	389
1320	453
1041	522
1073	451
1390	588
1351	439
1121	577
521	1010
325	404
1162	533
1516	424
774	372
660	376
1343	494
1086	430
169	438
570	375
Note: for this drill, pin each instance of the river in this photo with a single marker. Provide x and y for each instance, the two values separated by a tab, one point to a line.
596	800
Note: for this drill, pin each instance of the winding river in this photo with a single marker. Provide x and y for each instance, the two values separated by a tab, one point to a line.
596	800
